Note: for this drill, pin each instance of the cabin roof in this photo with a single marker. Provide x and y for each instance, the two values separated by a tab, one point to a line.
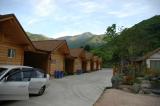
77	52
99	58
147	55
88	55
95	58
10	26
49	45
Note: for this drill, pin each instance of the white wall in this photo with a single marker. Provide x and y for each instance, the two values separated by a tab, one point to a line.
155	56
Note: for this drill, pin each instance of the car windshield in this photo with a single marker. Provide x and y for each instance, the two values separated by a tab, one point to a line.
2	70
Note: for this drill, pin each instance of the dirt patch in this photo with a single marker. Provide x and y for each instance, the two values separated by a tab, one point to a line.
114	97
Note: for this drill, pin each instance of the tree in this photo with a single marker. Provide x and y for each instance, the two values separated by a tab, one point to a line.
131	42
87	47
81	47
110	33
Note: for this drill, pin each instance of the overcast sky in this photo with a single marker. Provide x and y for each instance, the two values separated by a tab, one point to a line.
56	18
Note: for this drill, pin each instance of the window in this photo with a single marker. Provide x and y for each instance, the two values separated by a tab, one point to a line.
40	73
15	75
28	73
11	53
2	70
155	64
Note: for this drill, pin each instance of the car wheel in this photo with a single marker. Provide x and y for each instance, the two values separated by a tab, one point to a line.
41	91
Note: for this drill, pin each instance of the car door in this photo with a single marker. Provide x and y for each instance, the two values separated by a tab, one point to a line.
36	79
12	87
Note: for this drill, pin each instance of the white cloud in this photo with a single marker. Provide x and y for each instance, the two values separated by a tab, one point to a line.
32	21
41	10
129	9
44	7
89	6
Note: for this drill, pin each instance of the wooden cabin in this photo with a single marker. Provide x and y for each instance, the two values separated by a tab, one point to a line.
95	63
99	63
88	56
38	59
13	41
151	60
15	44
79	63
57	50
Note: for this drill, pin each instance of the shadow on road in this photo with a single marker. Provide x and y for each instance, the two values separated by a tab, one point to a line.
5	103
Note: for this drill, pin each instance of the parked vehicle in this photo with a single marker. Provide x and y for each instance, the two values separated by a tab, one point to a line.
17	82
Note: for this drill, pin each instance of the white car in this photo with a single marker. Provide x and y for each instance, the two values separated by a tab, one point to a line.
17	82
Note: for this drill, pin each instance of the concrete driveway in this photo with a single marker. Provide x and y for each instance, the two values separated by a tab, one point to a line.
76	90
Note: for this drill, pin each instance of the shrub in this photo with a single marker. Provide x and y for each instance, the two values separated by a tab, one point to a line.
116	80
137	81
136	88
155	84
129	80
65	73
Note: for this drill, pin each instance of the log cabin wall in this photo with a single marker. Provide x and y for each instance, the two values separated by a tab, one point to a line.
94	65
6	46
69	66
77	64
57	62
88	65
84	66
97	65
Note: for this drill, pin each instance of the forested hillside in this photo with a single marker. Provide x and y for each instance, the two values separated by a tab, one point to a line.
84	39
75	41
131	42
36	37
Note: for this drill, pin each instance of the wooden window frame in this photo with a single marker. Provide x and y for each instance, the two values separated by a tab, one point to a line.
11	53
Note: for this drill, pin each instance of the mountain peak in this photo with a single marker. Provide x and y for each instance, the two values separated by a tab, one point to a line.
87	33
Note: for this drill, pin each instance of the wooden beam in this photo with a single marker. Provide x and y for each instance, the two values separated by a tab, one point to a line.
6	19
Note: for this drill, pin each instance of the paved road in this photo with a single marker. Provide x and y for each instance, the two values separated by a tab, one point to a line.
76	90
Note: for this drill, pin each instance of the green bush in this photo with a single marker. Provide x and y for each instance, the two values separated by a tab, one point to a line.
65	74
136	88
116	80
138	81
155	84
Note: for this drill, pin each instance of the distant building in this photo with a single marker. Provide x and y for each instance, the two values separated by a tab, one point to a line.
89	63
151	60
58	51
79	59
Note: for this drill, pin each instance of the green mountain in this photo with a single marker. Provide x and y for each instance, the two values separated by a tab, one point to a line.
76	41
132	42
36	37
83	39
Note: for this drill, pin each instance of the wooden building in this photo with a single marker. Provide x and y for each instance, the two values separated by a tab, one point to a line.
89	65
57	50
39	59
13	41
79	63
95	63
151	60
99	63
